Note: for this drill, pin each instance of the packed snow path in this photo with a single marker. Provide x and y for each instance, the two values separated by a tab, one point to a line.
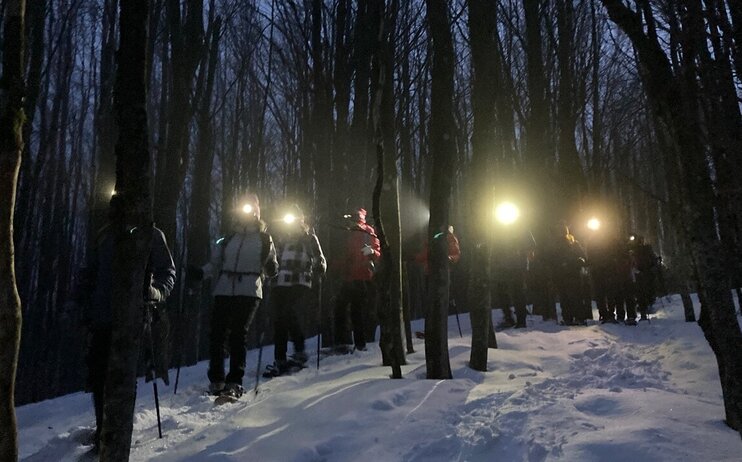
597	393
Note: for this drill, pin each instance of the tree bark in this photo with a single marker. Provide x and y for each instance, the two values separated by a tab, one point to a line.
665	90
386	194
192	317
443	151
11	147
186	40
132	227
482	34
572	179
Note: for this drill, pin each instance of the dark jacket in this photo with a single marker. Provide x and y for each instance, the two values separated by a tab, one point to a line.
98	279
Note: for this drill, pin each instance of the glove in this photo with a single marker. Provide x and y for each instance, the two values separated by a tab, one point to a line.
367	251
153	294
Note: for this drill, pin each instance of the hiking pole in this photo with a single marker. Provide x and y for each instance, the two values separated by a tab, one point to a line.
319	318
149	308
456	309
260	360
180	334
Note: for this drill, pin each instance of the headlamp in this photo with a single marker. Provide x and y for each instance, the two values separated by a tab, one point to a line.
632	237
247	209
507	213
593	224
113	192
289	218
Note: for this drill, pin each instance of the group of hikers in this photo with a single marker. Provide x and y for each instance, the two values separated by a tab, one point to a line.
248	258
618	273
242	263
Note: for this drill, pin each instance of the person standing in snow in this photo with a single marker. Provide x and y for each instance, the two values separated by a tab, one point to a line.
301	262
604	259
362	249
626	300
644	266
567	258
452	245
241	262
510	259
96	286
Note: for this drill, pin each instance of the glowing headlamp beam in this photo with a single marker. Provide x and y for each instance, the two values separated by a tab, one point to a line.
247	208
593	224
507	213
289	218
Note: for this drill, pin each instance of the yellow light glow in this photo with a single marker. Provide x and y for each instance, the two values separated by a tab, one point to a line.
593	224
113	192
289	218
507	213
247	208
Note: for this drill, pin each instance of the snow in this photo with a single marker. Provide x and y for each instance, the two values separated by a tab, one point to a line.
596	393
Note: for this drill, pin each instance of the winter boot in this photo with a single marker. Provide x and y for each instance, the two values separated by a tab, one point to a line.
300	357
279	367
233	390
216	388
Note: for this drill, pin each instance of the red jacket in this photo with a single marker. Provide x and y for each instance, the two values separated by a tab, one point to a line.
357	266
454	252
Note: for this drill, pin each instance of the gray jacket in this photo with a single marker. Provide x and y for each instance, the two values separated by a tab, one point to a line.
241	261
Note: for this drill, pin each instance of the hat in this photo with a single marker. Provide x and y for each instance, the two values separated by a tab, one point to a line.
361	213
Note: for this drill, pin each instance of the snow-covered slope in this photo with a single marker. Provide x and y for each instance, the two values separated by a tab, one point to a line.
597	393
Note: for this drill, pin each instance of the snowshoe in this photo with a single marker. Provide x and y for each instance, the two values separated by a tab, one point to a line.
630	322
337	350
286	367
420	335
231	394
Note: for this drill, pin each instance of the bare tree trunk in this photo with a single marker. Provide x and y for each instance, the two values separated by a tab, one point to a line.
570	171
537	159
482	33
105	125
665	90
442	149
186	39
191	316
11	147
386	195
132	227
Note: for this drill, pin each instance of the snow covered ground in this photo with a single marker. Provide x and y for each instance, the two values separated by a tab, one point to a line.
597	393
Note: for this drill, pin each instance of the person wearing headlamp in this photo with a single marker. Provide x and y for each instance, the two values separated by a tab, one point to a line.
566	258
512	249
301	263
362	250
241	262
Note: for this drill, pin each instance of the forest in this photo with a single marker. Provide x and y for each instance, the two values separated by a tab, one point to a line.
426	113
